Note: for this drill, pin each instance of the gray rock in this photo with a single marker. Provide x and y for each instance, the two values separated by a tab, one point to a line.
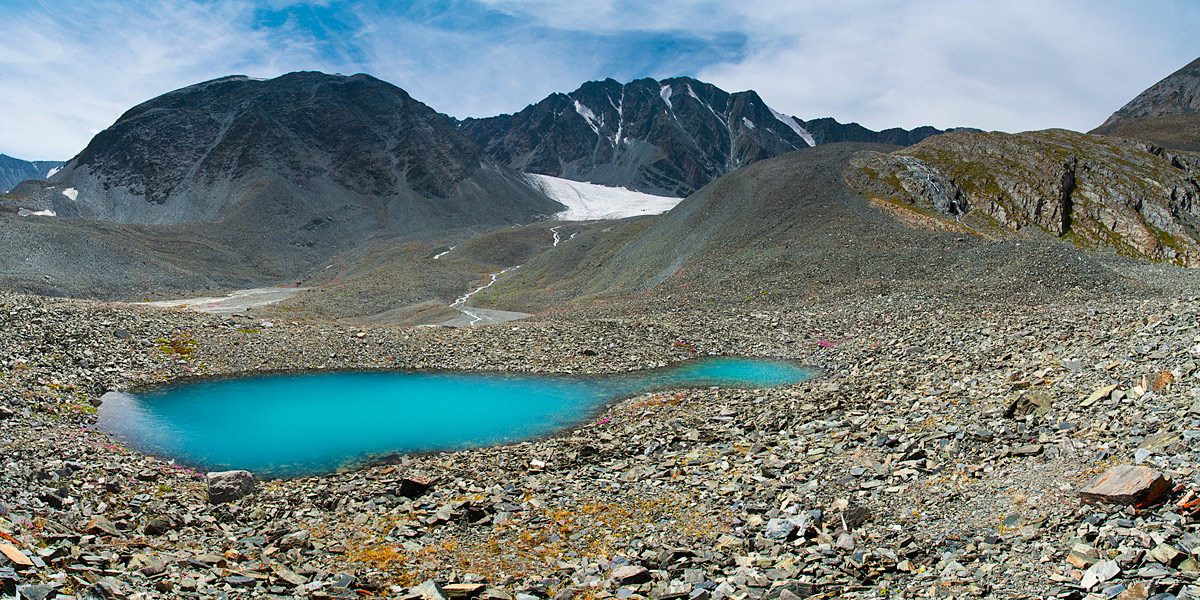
429	590
631	574
227	486
296	539
779	529
1099	573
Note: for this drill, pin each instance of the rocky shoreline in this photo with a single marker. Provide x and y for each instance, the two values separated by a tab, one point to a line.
943	455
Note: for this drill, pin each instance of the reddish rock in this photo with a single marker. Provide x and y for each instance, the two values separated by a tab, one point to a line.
1126	484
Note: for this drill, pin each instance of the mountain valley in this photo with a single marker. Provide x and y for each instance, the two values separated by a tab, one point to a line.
1004	325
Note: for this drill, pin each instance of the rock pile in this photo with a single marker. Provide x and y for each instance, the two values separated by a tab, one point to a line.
956	452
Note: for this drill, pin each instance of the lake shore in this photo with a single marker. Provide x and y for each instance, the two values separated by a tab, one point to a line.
903	470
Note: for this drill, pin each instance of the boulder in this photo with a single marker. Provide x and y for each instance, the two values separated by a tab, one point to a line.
227	486
1126	484
631	574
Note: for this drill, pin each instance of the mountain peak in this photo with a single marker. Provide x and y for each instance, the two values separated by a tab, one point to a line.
667	137
309	140
1166	113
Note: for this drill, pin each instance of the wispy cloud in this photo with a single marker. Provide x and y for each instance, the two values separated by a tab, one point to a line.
65	73
67	70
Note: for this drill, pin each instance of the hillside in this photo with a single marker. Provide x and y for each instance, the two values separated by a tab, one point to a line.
788	228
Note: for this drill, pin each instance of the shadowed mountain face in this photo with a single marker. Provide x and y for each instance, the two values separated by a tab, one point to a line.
243	182
15	170
668	137
302	148
1167	113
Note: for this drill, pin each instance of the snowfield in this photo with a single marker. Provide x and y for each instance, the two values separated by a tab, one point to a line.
591	202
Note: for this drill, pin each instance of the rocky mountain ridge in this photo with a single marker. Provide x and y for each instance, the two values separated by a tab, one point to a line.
668	137
320	148
14	170
1167	113
244	182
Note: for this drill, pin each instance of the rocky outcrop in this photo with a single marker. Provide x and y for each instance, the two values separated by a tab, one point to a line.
668	137
1134	197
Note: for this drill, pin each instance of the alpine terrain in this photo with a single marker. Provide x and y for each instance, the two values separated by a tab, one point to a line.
1168	113
1004	330
238	181
15	170
668	137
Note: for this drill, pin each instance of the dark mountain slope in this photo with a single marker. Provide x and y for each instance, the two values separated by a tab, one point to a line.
281	175
304	148
668	137
15	170
1167	113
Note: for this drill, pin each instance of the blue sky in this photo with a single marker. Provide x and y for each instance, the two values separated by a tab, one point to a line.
69	69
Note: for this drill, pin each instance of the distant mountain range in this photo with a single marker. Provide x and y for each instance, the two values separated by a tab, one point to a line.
668	137
15	170
240	182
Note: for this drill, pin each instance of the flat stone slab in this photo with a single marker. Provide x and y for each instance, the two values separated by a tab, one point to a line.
15	556
1126	484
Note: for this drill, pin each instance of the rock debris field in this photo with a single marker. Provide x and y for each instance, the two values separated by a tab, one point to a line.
953	448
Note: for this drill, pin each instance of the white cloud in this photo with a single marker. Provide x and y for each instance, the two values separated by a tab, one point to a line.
65	73
1013	65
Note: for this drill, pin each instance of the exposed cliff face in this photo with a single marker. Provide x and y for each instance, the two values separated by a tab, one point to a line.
301	148
1167	113
1134	197
668	137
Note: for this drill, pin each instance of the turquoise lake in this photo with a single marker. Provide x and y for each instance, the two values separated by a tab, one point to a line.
286	425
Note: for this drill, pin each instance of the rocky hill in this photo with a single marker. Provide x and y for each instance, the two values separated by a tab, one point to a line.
668	137
789	228
1167	113
311	149
15	170
266	179
1133	197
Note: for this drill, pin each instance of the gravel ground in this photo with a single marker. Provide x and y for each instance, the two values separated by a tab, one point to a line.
940	455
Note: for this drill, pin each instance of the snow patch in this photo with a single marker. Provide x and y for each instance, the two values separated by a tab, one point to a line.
591	202
51	172
665	93
71	194
435	256
791	122
25	212
588	116
692	93
748	122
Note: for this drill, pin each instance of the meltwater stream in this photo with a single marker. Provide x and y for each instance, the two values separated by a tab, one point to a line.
285	425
